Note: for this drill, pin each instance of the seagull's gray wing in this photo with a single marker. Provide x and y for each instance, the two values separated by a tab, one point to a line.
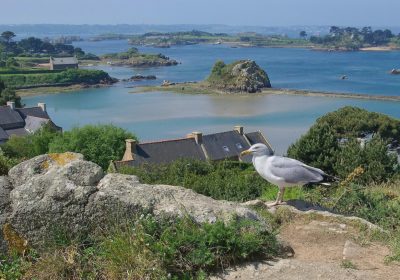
294	171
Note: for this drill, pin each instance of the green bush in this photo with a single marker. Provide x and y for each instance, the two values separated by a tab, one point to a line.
7	94
233	181
320	146
149	248
73	76
98	143
31	145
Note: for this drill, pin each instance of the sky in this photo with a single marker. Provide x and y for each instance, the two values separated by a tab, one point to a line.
229	12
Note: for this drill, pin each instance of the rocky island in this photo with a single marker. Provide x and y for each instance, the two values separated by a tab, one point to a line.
134	58
239	77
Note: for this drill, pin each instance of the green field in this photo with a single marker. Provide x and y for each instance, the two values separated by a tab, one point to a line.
28	78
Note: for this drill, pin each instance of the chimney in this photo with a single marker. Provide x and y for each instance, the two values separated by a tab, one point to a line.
11	104
239	129
198	137
130	149
43	106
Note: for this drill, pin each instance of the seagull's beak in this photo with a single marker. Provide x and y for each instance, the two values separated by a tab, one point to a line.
247	152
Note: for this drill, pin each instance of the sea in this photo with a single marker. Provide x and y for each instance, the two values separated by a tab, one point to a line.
281	118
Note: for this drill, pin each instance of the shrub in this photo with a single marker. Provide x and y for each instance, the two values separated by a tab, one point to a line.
320	146
31	145
6	163
98	143
233	181
148	248
7	94
73	76
378	165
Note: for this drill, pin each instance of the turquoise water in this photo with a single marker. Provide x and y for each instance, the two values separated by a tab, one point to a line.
281	118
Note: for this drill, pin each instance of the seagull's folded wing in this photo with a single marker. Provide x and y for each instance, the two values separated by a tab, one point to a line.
294	172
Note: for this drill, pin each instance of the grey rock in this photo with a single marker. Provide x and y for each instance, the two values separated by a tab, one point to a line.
5	189
22	172
53	195
63	192
118	189
242	76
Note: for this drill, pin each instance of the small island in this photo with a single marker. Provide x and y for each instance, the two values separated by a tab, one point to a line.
239	77
338	39
246	77
134	58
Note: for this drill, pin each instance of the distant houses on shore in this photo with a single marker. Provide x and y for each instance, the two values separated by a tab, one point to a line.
213	147
23	121
62	63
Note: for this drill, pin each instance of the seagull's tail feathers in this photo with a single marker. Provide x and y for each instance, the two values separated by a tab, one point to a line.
327	180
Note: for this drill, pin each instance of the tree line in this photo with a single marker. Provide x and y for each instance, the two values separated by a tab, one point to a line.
358	36
33	46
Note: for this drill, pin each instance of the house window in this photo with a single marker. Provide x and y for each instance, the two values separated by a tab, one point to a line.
239	146
226	149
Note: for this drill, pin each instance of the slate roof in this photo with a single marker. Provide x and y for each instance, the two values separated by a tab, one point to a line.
224	145
167	151
34	112
17	132
214	147
257	137
22	121
9	118
64	60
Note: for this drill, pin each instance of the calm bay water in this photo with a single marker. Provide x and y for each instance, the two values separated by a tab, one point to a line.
281	118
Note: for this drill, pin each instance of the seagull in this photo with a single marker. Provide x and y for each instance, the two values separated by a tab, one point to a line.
283	171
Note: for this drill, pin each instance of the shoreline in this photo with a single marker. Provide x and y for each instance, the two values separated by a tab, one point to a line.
198	88
37	91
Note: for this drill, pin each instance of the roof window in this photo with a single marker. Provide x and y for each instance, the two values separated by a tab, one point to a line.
226	149
239	146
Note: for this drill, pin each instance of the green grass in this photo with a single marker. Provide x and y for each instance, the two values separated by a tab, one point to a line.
270	194
147	248
348	264
73	76
234	181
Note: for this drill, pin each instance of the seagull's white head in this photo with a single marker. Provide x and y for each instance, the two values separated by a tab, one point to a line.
257	150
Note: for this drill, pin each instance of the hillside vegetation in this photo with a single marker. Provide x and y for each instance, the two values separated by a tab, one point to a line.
182	249
70	76
134	58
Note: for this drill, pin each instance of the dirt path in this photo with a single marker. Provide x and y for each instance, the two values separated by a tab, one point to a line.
326	247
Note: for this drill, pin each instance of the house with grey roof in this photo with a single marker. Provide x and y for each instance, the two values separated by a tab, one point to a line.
22	121
61	63
211	147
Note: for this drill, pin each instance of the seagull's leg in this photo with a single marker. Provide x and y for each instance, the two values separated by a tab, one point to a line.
282	192
279	198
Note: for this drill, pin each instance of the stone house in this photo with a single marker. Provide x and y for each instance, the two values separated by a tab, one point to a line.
22	121
62	63
212	147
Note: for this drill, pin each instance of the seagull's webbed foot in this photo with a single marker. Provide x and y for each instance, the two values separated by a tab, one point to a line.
279	199
276	203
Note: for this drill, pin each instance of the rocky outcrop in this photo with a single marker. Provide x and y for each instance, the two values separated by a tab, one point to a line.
64	192
5	189
326	246
239	76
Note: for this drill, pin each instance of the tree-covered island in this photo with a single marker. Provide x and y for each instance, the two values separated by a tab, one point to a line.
339	38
